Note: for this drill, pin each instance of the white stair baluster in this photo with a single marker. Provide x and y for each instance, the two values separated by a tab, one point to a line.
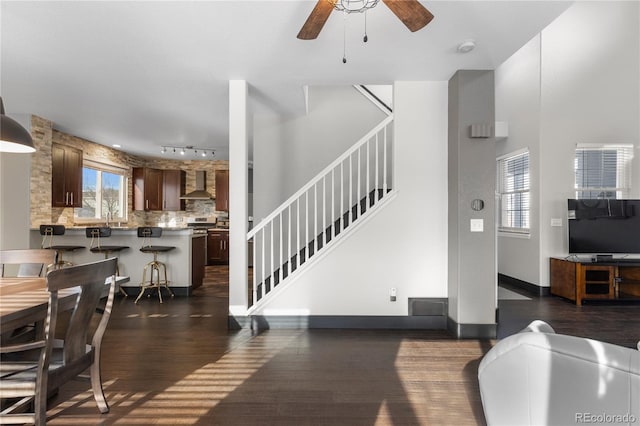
382	177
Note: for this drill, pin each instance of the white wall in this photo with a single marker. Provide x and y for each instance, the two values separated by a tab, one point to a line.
589	92
15	174
405	244
517	83
288	151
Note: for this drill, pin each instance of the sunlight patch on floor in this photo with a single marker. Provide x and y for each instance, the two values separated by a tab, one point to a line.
185	402
169	316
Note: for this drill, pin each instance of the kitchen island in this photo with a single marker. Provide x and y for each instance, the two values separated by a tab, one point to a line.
185	264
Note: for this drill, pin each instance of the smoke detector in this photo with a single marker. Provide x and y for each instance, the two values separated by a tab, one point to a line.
466	46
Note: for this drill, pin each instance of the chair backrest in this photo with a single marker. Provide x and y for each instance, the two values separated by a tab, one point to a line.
91	277
147	232
78	356
48	231
97	232
30	261
150	231
52	229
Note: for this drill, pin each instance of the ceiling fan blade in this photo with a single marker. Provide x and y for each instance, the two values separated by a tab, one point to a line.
316	20
413	14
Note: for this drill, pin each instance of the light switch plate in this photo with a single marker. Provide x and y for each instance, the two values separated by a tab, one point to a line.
477	225
556	221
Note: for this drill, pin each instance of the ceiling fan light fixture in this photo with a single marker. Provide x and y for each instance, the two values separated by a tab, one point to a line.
466	46
13	137
352	6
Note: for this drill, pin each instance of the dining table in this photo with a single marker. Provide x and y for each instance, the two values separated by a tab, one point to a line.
25	300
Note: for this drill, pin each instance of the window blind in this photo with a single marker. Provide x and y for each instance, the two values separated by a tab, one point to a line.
513	186
603	171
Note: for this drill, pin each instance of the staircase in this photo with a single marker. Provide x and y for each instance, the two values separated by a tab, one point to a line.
322	212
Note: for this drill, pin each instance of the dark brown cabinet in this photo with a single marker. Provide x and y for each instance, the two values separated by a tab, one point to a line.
155	189
222	190
66	176
218	247
147	189
198	261
173	187
582	280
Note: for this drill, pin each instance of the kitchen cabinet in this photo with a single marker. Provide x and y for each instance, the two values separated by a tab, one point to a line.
173	187
198	261
218	247
66	176
222	190
155	189
147	189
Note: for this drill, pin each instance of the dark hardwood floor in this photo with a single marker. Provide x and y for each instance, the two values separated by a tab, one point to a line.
176	363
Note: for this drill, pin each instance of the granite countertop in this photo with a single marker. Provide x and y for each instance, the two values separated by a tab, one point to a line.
133	228
120	228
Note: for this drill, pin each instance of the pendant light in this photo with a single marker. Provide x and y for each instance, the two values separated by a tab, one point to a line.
13	137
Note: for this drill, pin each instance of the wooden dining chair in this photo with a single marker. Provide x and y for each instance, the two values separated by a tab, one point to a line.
49	362
27	263
31	262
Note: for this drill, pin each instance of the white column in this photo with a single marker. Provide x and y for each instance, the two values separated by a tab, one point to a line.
238	197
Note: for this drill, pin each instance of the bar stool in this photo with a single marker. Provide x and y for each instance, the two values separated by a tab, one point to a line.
47	232
95	233
148	232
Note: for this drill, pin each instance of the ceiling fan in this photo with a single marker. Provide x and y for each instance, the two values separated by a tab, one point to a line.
412	14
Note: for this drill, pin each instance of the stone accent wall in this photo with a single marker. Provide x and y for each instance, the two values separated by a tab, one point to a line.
44	135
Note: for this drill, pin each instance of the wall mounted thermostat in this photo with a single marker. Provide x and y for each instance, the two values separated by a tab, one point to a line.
477	205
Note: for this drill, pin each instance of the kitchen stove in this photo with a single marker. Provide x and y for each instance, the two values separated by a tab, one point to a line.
201	224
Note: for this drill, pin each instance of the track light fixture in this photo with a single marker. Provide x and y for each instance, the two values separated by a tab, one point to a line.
184	150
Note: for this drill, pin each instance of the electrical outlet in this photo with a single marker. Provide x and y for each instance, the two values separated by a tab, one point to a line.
392	294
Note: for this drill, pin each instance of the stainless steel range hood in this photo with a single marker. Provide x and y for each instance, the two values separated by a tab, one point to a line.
200	193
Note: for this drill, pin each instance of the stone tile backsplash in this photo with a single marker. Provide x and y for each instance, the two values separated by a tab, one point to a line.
44	135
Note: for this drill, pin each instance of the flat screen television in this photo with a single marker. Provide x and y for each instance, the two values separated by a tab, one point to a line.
604	226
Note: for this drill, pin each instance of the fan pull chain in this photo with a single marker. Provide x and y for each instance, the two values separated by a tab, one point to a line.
344	39
366	38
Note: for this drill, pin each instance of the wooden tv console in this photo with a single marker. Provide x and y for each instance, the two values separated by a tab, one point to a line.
580	280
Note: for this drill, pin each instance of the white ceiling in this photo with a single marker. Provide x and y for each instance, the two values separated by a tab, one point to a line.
144	74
